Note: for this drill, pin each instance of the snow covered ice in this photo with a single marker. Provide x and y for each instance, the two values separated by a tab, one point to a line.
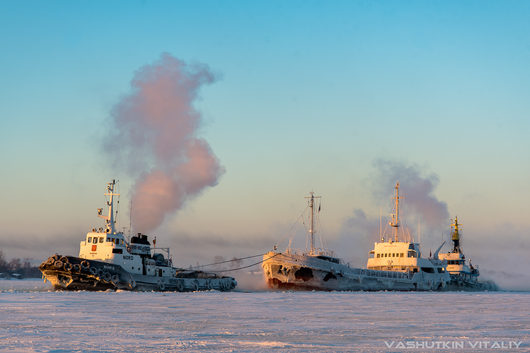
34	319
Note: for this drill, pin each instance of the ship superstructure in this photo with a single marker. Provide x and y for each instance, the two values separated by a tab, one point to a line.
464	276
107	260
395	264
398	252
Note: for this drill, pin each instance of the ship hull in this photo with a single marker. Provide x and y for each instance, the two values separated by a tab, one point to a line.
302	272
74	273
470	284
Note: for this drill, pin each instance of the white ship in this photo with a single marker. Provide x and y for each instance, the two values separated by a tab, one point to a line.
394	264
107	260
464	276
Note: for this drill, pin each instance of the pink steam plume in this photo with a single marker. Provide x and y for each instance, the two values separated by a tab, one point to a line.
417	189
155	128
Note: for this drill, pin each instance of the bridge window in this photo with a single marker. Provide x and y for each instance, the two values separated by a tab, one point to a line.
89	239
101	239
401	255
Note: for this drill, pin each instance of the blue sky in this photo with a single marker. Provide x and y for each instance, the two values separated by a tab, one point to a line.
309	94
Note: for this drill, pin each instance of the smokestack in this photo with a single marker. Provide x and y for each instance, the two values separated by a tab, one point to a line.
154	136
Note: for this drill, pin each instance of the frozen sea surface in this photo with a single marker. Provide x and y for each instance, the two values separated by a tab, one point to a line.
33	319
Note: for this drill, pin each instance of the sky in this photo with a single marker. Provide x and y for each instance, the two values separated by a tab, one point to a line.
308	96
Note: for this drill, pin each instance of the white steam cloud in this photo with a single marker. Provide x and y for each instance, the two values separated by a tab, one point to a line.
416	187
360	231
154	135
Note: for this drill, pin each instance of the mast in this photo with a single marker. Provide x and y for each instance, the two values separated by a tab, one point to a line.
109	219
394	223
455	236
312	198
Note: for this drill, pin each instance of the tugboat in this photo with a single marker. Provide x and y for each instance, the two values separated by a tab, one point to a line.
108	261
464	276
394	265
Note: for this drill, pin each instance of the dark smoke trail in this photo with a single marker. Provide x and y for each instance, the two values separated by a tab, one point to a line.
154	137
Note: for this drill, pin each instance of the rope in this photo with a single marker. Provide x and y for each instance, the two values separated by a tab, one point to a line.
240	268
223	262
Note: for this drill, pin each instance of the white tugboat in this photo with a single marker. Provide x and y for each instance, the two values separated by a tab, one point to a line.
108	261
394	265
464	276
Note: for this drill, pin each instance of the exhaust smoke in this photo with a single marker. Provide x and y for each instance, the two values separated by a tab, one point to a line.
154	136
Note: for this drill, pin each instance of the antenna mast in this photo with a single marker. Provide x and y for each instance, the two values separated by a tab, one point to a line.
394	223
455	236
312	198
109	219
381	225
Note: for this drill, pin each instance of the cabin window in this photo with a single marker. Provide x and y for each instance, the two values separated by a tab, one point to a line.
90	239
401	255
377	255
